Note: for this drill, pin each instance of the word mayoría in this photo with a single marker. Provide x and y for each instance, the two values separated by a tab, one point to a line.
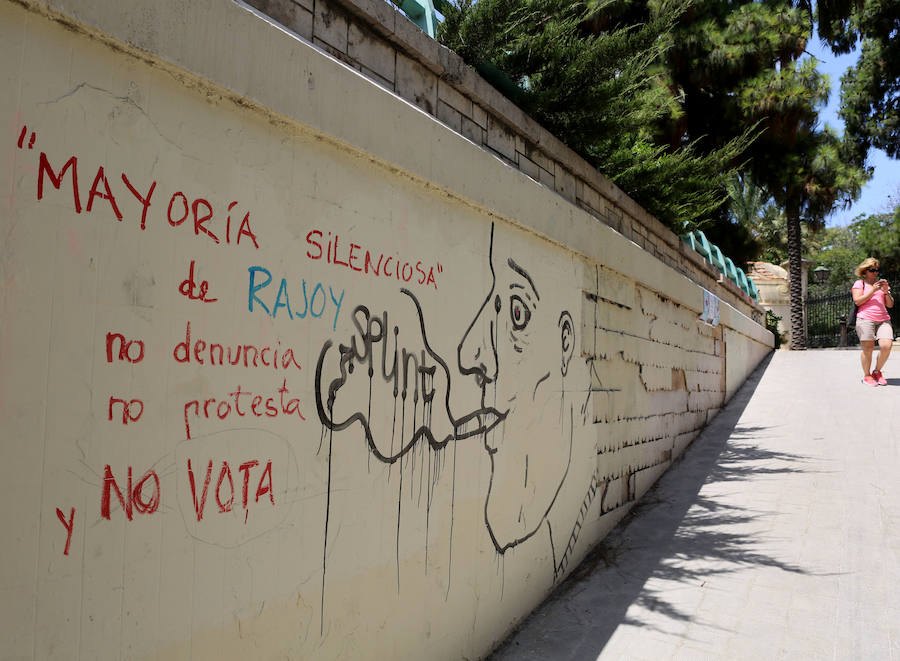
357	258
181	210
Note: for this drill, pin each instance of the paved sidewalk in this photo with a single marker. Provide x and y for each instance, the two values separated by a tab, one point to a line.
776	537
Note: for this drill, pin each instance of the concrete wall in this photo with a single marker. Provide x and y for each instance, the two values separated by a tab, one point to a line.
376	39
288	368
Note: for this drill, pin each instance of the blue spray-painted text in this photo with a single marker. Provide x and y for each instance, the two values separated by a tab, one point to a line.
315	298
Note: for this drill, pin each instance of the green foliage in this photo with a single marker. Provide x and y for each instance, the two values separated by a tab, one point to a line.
669	98
879	237
752	210
840	254
843	248
870	90
590	73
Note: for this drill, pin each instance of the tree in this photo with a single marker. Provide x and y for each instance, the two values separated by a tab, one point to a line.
737	65
752	208
843	248
709	88
870	90
808	182
589	73
840	253
879	236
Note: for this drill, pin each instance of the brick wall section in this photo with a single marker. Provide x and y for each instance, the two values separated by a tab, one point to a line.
376	39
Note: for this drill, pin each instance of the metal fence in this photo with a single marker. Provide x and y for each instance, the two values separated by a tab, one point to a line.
823	314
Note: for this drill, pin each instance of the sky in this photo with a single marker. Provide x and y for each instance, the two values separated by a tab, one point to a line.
885	182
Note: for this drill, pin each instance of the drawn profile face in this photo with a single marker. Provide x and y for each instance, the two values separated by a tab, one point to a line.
518	349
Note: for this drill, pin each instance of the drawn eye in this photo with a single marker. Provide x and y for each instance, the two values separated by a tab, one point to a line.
519	313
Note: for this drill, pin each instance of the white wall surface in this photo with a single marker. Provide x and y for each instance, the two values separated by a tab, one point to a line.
287	500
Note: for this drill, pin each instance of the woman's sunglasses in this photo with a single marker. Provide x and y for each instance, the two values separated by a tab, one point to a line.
872	270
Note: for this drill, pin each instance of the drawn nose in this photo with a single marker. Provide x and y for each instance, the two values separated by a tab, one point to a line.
477	354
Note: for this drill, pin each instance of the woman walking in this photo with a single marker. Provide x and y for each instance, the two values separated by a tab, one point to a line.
873	296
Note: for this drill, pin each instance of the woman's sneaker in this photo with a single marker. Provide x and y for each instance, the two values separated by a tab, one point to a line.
879	378
870	381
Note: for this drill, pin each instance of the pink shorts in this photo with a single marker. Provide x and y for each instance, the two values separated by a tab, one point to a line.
871	330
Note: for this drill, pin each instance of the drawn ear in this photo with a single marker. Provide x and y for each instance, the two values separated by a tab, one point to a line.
567	339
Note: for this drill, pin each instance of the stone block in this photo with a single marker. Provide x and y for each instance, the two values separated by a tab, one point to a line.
417	42
592	199
711	413
656	378
565	183
646	352
380	15
337	54
293	16
501	139
588	339
479	116
602	438
630	432
375	78
416	84
528	166
657	451
539	157
682	441
689	421
705	400
546	177
646	478
330	26
453	70
453	98
450	116
703	381
614	288
371	52
472	131
668	400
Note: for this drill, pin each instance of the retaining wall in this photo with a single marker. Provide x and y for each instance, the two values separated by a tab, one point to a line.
290	368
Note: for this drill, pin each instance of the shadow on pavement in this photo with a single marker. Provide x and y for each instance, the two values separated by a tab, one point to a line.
673	534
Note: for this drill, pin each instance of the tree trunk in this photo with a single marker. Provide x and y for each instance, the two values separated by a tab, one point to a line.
795	270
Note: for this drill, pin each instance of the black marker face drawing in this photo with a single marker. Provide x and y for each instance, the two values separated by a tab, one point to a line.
518	349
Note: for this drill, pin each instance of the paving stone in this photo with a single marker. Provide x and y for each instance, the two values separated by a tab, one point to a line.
773	538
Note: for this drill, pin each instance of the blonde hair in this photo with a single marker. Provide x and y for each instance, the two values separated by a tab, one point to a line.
867	263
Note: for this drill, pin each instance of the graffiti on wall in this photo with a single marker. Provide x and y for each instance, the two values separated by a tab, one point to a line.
241	475
333	345
520	352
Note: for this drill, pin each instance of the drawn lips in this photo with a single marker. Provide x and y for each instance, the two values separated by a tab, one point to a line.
478	422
